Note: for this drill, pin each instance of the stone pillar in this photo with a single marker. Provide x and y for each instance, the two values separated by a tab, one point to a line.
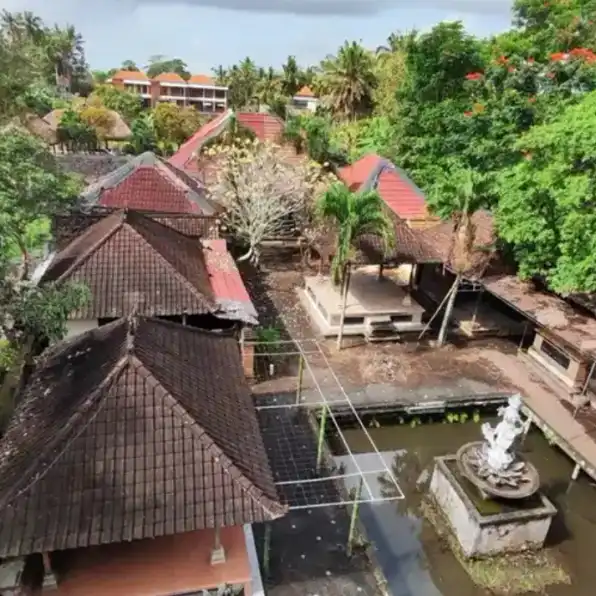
248	352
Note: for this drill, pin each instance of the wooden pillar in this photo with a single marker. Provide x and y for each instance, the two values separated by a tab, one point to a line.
218	554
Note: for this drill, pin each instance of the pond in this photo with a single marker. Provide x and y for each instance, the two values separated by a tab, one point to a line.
409	550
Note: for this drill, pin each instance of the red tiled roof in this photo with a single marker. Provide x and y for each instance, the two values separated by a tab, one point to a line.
266	127
226	282
396	189
148	184
169	77
183	158
145	189
137	429
130	75
305	92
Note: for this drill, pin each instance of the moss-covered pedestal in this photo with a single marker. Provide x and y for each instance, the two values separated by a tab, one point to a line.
488	527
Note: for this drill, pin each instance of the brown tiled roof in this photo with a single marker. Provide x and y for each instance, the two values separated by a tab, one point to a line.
67	227
485	257
134	430
147	183
410	246
169	77
560	320
130	261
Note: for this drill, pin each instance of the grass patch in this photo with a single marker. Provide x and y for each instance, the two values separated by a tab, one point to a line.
506	574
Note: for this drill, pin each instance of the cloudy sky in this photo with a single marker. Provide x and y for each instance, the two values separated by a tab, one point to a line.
206	33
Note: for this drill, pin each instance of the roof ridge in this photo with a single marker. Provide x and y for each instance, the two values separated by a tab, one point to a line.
218	455
208	300
54	441
119	220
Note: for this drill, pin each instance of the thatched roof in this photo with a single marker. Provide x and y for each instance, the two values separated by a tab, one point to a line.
119	131
33	125
40	128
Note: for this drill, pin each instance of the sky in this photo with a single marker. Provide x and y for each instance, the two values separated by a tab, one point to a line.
207	33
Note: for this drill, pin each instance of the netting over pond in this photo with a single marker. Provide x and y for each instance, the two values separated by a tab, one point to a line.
295	415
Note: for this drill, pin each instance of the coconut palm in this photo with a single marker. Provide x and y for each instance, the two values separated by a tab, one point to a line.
462	188
347	80
355	214
292	78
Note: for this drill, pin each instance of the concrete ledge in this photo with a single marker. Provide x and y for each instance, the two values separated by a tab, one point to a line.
484	535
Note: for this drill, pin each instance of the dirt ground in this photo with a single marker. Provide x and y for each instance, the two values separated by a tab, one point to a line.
408	365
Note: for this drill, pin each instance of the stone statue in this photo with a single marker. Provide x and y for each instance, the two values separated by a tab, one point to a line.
493	464
500	439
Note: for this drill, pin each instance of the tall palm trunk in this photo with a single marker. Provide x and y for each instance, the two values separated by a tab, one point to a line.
449	310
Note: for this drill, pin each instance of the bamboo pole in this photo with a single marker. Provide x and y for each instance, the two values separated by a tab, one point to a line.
344	301
321	441
354	519
300	379
445	298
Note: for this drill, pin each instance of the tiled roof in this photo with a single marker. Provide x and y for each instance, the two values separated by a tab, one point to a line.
159	264
266	127
485	258
554	315
201	79
130	261
146	183
169	77
305	92
130	75
410	247
228	288
400	194
137	429
66	228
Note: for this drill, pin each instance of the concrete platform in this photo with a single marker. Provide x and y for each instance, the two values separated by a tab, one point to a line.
370	300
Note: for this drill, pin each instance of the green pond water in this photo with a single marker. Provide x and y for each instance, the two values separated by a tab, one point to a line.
572	537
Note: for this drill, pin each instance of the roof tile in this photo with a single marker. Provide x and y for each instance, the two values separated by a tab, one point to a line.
137	429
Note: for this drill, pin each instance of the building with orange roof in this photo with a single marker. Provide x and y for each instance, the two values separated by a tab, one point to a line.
305	99
199	91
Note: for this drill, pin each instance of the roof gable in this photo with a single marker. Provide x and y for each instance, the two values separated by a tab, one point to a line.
146	183
130	261
138	429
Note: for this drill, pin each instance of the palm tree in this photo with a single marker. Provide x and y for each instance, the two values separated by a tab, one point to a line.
221	75
462	188
347	80
292	79
355	214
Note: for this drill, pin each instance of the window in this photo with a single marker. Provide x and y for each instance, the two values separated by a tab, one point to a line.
555	354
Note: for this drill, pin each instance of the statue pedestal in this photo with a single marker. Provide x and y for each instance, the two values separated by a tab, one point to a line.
517	527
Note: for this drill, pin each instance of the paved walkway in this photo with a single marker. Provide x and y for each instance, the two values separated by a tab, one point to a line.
577	440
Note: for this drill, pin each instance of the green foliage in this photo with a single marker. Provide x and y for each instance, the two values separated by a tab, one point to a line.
347	81
75	133
160	64
143	136
546	207
127	104
354	215
32	188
